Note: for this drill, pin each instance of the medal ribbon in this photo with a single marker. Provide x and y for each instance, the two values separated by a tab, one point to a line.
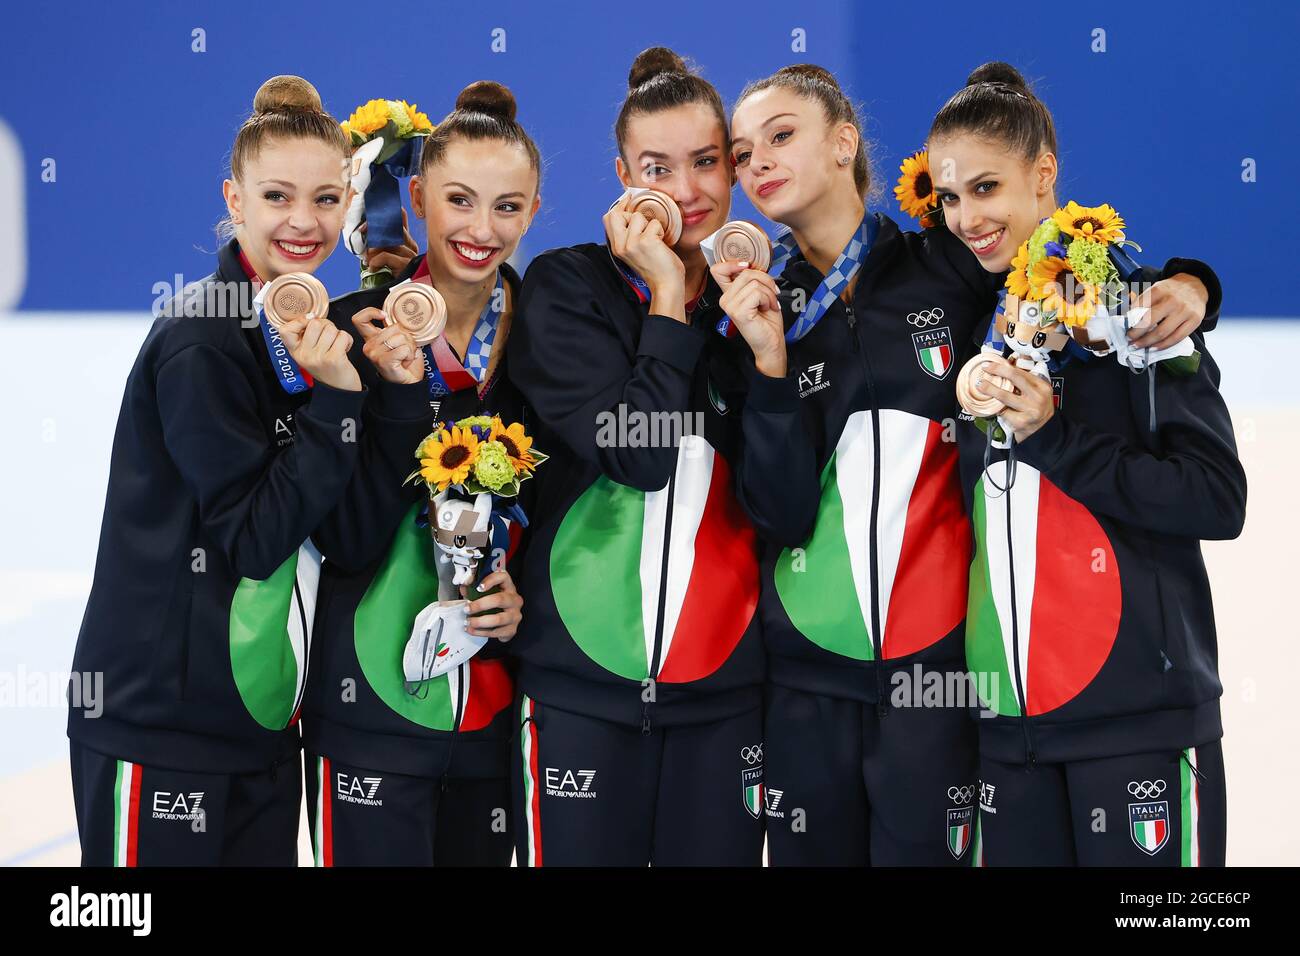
845	268
293	380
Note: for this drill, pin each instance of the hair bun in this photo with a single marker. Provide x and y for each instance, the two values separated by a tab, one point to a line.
998	72
282	94
487	96
650	63
811	71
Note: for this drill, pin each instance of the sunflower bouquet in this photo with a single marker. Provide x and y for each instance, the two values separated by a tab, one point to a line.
1066	265
465	466
915	191
385	137
477	455
1075	269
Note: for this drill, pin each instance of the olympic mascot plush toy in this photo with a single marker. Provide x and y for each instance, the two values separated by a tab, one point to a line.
439	642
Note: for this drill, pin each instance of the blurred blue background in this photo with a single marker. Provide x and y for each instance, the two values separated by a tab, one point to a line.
140	126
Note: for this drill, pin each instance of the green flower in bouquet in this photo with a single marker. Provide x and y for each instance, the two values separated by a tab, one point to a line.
493	469
1047	231
1090	262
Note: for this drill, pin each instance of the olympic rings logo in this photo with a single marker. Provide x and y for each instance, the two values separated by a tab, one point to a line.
925	317
1146	788
961	794
752	755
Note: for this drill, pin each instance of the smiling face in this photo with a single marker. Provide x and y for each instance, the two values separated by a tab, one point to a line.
288	205
786	154
477	201
992	198
681	152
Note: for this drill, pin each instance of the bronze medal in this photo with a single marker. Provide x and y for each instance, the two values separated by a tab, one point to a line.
740	241
969	396
418	308
661	208
292	297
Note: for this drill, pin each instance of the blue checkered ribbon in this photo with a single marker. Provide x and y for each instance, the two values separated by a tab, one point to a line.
479	349
844	269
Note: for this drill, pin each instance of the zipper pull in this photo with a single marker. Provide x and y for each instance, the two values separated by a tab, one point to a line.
645	721
853	325
1194	769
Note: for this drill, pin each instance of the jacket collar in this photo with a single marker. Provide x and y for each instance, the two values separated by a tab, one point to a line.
229	268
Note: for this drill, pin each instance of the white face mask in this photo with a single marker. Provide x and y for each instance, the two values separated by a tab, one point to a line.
438	644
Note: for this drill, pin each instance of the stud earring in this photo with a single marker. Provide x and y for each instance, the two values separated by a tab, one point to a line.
844	160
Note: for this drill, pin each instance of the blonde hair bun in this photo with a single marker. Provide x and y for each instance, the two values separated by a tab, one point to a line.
283	94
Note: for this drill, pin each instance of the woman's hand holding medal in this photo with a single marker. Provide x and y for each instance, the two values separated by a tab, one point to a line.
390	348
321	349
749	297
1028	400
295	306
639	242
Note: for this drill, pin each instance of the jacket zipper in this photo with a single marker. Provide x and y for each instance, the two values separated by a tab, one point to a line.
460	698
306	643
1030	756
882	704
663	595
457	715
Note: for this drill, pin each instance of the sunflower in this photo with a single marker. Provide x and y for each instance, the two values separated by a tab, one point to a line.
517	445
1018	278
1072	300
419	121
447	456
370	118
1100	224
915	190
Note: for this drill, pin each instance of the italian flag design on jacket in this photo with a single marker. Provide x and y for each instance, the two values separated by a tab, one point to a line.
922	542
621	554
270	637
466	697
1066	593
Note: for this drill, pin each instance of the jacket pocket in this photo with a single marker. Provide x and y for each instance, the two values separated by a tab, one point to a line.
171	662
